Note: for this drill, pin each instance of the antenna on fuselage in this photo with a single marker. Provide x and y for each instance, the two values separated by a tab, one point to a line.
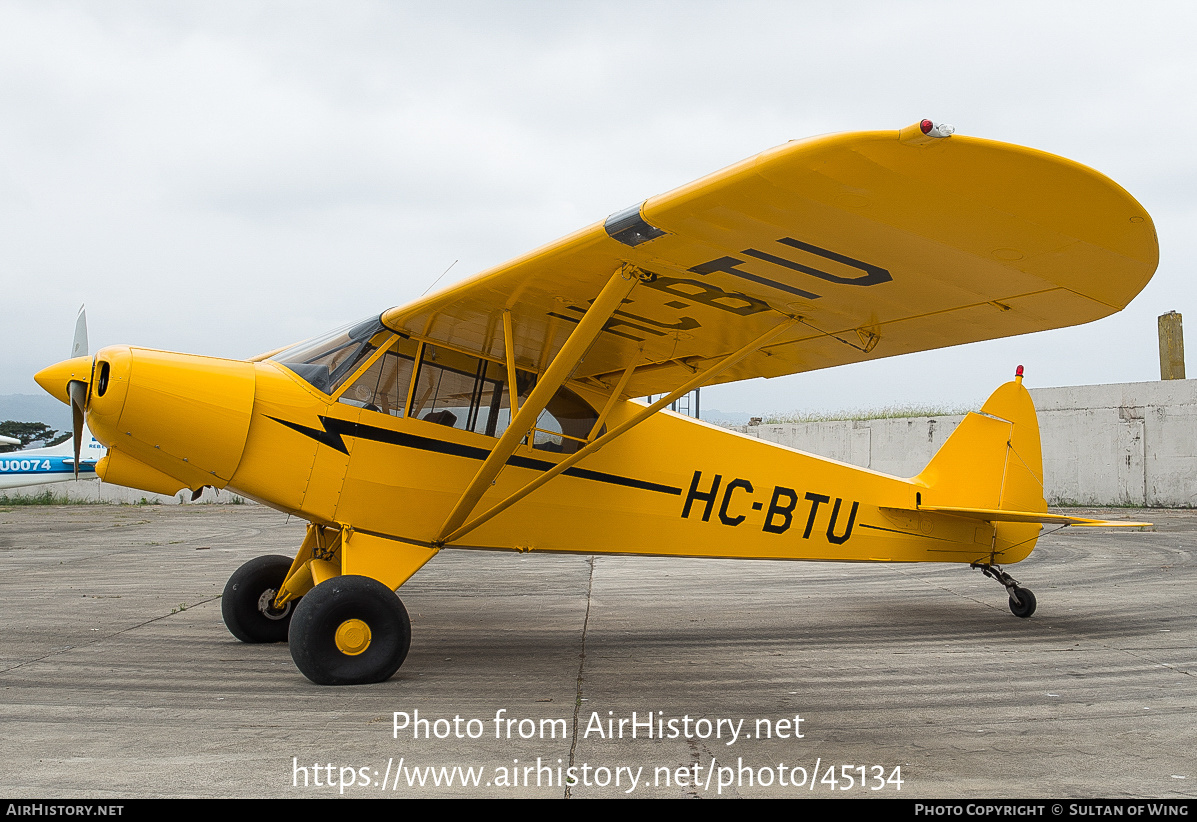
438	279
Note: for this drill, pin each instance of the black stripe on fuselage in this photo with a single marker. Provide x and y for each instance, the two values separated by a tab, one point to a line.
920	535
335	430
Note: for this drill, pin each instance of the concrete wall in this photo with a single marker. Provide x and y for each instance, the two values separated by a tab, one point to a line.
92	490
1121	444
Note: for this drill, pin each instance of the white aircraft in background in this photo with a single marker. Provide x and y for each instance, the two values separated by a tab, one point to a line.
36	466
75	458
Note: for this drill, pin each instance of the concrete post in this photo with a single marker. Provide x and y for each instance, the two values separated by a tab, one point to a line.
1172	347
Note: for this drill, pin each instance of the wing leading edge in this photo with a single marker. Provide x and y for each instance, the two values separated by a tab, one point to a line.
878	243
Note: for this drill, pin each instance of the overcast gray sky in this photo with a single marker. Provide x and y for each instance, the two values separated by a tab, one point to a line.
227	177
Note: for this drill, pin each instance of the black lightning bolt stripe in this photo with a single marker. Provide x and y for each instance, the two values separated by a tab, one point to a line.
335	430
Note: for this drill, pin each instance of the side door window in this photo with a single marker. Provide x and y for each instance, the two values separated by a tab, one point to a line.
564	424
471	394
459	391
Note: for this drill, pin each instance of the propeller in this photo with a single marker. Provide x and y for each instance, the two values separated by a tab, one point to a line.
77	389
79	344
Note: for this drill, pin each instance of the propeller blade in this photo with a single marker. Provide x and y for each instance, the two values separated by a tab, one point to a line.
77	389
79	346
78	392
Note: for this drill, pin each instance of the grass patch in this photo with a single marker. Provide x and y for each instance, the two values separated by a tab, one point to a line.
44	497
889	412
48	496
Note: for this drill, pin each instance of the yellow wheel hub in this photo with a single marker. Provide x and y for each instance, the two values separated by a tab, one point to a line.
353	637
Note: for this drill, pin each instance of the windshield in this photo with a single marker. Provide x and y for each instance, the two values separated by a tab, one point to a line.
328	361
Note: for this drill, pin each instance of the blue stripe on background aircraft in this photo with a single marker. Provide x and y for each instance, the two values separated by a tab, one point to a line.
37	466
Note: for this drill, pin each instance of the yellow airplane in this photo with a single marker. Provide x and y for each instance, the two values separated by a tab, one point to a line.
498	414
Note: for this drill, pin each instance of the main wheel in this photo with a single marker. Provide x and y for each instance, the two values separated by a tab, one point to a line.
1028	603
350	630
247	604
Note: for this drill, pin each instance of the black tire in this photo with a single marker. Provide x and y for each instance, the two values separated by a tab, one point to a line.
1028	603
345	603
245	605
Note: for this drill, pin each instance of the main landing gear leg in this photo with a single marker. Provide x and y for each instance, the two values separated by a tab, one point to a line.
1022	601
334	604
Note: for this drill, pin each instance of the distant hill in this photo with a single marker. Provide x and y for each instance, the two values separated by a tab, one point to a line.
35	408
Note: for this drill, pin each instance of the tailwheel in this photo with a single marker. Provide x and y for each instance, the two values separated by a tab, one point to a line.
1022	601
248	601
1024	605
350	630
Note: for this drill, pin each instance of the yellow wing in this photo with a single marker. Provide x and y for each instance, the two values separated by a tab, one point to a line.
882	243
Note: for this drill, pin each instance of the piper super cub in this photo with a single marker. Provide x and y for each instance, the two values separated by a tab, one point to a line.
499	413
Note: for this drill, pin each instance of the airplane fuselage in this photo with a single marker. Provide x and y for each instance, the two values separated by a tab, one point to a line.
671	486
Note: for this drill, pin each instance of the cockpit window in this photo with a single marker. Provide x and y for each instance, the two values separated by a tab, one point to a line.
328	361
383	386
450	388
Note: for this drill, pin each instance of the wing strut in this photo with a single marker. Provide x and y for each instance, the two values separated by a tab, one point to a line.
513	392
563	365
617	431
614	398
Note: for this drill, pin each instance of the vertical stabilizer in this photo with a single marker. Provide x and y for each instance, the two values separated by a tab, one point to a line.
993	460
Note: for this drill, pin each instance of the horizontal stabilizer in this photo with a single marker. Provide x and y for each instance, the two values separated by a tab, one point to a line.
996	515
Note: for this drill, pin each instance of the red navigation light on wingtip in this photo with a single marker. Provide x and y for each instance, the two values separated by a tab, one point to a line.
934	129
